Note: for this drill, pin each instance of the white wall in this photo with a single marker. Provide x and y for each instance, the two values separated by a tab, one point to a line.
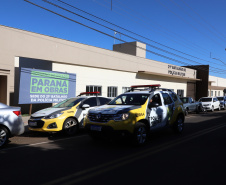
103	77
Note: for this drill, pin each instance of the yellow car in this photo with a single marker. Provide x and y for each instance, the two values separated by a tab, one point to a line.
67	115
136	113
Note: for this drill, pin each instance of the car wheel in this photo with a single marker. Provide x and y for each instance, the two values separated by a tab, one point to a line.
179	125
219	107
70	126
140	133
224	107
4	136
186	111
198	110
212	109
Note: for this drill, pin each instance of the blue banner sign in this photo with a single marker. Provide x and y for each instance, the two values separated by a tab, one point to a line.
42	86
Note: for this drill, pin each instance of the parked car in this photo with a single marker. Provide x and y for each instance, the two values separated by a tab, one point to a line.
67	115
210	103
136	113
222	100
11	123
191	106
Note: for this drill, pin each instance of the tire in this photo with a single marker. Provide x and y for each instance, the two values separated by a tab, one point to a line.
4	136
178	126
186	111
219	108
198	110
140	134
212	110
70	126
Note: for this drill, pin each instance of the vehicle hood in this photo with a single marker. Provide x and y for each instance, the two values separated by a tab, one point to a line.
48	111
113	109
205	103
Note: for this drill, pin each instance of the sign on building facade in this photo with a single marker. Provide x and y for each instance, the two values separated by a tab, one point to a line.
42	86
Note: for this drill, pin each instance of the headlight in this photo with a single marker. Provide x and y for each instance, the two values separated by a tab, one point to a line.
52	116
121	117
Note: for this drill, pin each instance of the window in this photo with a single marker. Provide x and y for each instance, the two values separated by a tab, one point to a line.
173	96
112	91
167	99
157	99
104	101
91	102
218	93
215	93
180	93
93	88
211	93
130	99
124	89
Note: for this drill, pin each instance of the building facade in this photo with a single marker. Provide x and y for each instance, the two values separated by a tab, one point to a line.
111	72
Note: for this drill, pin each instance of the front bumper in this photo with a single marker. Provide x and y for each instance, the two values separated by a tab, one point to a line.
126	126
207	107
46	125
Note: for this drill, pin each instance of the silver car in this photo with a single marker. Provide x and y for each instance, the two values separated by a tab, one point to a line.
11	123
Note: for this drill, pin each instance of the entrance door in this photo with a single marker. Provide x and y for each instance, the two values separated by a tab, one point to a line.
3	89
191	89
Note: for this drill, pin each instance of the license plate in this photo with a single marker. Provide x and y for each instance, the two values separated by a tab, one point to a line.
33	124
96	128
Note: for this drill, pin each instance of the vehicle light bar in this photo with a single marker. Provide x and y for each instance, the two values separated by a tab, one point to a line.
83	93
137	86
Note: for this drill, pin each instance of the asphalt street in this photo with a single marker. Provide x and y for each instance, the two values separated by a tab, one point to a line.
195	157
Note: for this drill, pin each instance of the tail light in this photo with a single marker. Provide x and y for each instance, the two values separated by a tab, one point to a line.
17	112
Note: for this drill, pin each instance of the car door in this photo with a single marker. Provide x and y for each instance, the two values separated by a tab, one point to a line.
157	115
215	103
192	104
92	102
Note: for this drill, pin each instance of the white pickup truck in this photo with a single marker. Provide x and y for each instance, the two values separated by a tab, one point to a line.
191	106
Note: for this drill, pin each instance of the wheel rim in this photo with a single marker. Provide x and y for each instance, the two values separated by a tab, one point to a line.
70	126
180	124
141	135
3	137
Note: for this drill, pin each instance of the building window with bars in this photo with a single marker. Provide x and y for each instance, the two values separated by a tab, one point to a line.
180	93
112	91
93	88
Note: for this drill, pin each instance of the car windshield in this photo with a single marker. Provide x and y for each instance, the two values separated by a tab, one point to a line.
68	102
130	99
205	99
220	98
184	100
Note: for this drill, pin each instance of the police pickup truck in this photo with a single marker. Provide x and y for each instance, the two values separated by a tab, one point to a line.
142	109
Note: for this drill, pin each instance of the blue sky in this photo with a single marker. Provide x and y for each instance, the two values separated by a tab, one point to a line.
179	32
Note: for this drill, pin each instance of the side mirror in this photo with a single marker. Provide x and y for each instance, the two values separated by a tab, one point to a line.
85	106
153	104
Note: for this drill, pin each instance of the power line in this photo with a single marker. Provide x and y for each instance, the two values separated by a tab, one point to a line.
130	31
149	20
125	34
169	58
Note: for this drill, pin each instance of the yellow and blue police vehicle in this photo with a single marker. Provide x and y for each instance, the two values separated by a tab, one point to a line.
142	109
67	115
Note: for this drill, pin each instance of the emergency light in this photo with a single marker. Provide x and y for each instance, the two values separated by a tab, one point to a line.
137	86
83	93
